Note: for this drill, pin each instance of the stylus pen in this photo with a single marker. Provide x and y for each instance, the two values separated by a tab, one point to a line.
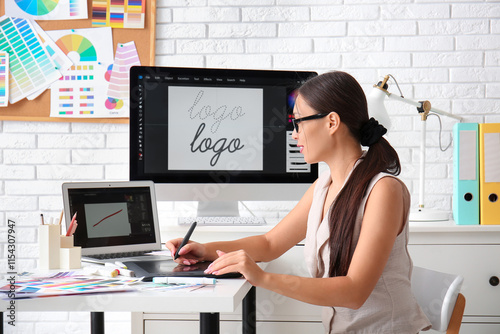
185	240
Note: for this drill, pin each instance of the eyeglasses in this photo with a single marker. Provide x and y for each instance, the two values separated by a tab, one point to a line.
296	121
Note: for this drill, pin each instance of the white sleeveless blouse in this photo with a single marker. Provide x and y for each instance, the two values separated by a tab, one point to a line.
391	307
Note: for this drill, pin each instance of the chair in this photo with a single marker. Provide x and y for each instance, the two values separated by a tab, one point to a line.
438	294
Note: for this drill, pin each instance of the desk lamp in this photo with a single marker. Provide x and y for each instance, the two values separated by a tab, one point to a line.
376	109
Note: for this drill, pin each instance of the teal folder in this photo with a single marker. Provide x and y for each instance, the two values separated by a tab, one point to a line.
466	174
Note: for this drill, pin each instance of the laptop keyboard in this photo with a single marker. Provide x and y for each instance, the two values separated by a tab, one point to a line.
116	255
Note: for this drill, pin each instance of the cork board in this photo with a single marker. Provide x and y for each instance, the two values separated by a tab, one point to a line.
39	108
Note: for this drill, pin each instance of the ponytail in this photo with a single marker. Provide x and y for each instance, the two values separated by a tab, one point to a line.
340	92
381	157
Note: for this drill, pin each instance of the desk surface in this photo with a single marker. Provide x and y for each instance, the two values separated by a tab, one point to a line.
225	297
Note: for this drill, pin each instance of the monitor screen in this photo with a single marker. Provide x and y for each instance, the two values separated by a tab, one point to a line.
215	126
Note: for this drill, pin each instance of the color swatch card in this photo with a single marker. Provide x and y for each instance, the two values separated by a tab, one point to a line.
4	79
76	94
47	9
118	13
72	284
30	65
118	76
61	61
81	92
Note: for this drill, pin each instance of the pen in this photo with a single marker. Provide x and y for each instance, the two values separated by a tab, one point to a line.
184	280
185	240
41	216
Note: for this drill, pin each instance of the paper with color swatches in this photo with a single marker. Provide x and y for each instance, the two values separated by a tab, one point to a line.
81	91
118	13
4	79
30	66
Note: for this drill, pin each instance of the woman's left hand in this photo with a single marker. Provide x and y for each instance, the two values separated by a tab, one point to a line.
238	261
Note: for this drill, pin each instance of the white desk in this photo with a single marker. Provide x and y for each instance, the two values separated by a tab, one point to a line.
226	296
472	251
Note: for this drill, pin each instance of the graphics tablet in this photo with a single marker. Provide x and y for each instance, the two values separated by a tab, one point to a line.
169	268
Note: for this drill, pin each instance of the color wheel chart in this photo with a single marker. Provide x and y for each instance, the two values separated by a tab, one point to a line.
81	92
31	69
78	44
47	9
40	7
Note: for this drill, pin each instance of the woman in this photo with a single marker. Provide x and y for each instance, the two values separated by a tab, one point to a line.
354	219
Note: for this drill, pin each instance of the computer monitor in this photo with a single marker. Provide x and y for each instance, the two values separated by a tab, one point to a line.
217	136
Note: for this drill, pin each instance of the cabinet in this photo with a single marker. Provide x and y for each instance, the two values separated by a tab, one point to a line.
471	251
474	253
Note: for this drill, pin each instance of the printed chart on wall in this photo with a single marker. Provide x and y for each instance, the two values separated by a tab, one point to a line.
81	92
31	68
47	9
222	128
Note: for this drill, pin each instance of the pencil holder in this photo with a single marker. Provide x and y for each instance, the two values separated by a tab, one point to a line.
69	255
67	242
49	244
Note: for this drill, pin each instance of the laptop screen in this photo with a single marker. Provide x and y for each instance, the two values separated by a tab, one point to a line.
113	217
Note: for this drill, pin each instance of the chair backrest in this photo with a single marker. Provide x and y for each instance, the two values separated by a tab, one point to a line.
436	293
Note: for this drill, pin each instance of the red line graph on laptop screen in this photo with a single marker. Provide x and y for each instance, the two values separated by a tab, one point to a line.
107	219
111	215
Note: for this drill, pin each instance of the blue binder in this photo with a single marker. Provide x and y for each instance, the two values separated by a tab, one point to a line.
466	174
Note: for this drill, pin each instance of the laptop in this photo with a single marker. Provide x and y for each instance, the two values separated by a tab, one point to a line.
117	221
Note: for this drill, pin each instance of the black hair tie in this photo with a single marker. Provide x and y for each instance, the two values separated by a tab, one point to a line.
371	132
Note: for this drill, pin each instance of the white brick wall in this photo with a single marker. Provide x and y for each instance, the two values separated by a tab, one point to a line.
444	51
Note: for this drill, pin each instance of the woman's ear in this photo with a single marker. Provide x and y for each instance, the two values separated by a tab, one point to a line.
334	121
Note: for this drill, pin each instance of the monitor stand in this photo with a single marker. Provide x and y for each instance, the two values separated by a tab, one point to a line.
220	213
218	209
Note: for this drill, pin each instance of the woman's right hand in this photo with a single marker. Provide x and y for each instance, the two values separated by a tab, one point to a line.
191	253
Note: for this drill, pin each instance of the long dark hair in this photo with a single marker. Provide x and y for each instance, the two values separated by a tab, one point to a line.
340	92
